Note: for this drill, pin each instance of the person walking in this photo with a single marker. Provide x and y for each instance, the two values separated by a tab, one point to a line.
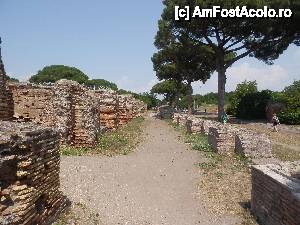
275	122
224	118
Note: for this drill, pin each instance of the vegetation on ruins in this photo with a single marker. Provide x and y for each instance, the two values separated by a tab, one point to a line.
51	74
231	39
121	141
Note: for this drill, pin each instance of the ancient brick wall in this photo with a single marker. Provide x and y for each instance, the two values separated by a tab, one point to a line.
275	197
194	125
29	174
108	109
32	103
6	108
123	113
222	139
67	106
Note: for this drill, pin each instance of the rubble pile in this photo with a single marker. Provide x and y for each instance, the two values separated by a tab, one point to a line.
108	109
222	139
206	124
275	197
29	174
252	144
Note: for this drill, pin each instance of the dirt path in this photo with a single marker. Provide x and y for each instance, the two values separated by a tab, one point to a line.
155	185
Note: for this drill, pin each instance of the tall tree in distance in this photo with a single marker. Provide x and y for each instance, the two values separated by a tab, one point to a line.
181	59
51	74
262	38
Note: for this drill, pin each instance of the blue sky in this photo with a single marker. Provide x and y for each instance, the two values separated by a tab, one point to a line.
112	40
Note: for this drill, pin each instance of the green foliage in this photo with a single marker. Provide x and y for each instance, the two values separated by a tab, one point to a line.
101	83
242	89
171	89
149	98
230	39
123	140
253	105
51	74
291	98
12	79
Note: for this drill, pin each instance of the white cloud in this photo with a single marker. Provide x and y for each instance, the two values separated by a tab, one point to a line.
273	77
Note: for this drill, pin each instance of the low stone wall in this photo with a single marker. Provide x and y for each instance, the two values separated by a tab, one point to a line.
29	174
222	139
275	197
206	124
253	145
194	125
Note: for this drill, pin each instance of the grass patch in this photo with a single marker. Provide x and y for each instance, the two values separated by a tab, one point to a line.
226	180
122	141
78	214
285	153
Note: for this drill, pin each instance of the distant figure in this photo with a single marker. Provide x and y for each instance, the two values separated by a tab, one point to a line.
275	122
205	110
224	118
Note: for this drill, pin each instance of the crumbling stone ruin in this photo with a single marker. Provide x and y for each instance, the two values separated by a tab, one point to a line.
78	113
275	197
123	111
227	138
253	145
29	174
6	109
67	106
206	124
108	109
222	139
194	125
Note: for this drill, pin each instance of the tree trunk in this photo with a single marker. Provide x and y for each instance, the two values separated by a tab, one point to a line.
221	85
190	98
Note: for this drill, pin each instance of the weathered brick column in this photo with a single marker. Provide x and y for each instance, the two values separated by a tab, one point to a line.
194	125
108	109
6	106
222	139
275	197
29	174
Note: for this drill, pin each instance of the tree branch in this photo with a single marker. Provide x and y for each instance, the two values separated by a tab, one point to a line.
238	58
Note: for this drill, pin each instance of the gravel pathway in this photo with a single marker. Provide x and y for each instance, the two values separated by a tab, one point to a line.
155	185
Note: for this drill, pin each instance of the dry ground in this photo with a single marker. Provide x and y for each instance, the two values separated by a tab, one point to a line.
156	184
